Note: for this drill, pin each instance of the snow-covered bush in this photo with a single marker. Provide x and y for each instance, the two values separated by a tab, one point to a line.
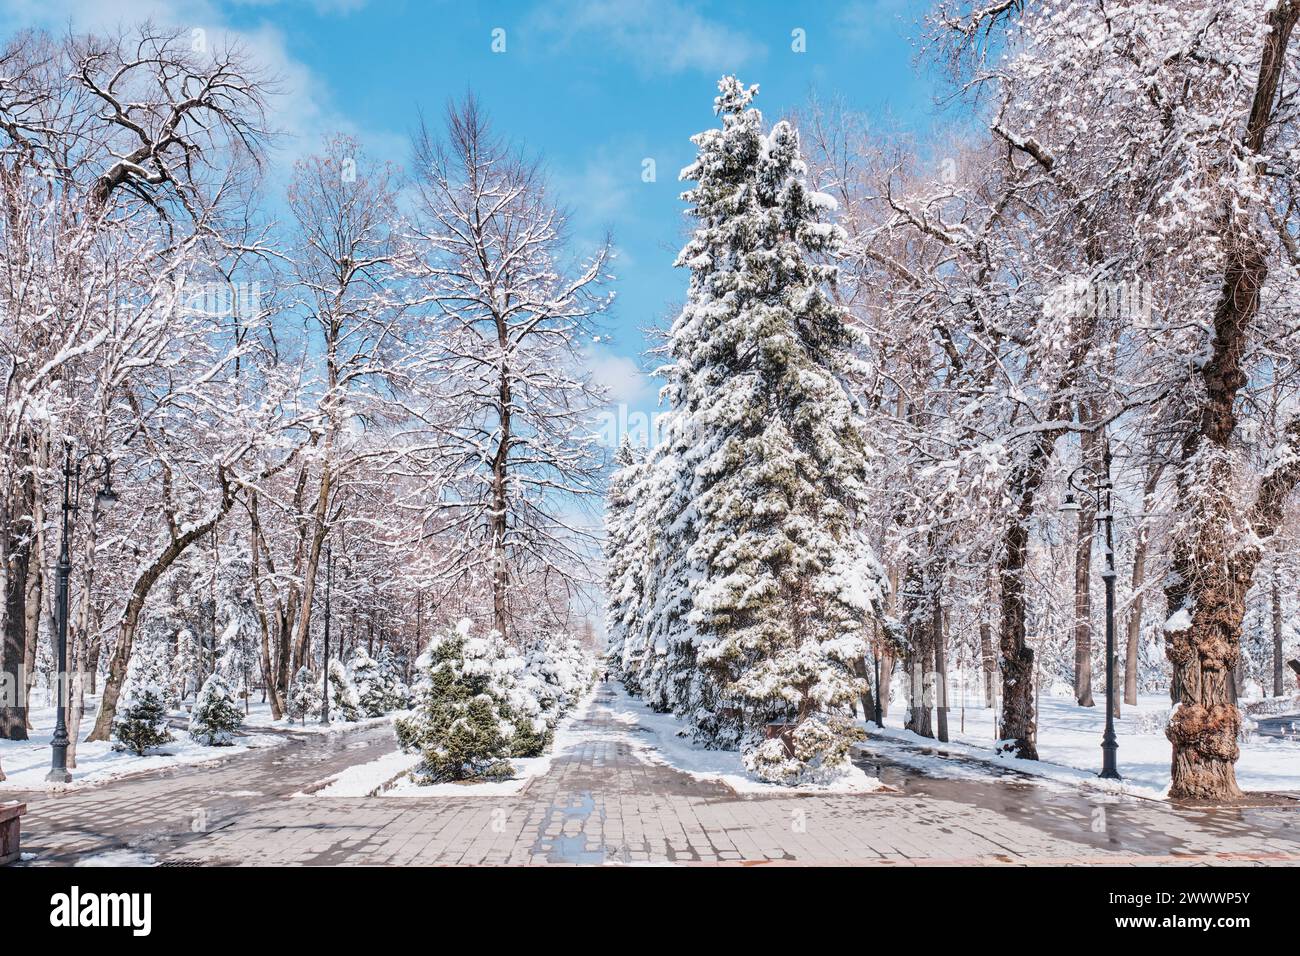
298	701
564	673
216	716
373	687
142	724
150	667
184	666
391	671
475	708
344	703
817	751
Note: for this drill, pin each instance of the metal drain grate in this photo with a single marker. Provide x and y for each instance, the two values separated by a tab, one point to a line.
180	863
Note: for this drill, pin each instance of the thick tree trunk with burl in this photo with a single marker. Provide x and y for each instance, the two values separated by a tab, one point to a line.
1202	641
1213	560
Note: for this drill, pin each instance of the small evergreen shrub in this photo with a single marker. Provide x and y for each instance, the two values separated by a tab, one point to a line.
216	716
142	724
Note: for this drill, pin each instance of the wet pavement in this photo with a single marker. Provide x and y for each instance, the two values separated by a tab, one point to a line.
154	812
603	802
1283	727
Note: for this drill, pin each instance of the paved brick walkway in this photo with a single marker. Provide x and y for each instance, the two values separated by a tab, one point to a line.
600	804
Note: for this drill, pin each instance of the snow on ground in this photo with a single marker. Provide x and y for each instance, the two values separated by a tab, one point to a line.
657	738
387	776
117	858
259	718
26	762
1069	745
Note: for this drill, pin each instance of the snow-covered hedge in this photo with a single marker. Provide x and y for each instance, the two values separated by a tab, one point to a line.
478	703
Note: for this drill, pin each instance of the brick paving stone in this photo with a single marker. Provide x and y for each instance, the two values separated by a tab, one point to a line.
600	803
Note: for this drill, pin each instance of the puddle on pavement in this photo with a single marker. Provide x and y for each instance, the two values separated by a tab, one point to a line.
574	849
1104	820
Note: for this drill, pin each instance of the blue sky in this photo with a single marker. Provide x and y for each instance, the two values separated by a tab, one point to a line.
596	87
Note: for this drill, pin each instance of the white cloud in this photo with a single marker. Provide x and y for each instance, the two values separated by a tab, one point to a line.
657	37
627	384
301	109
864	22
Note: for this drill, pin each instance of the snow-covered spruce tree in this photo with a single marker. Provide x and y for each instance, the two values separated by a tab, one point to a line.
344	703
787	583
469	713
298	702
624	561
399	695
374	694
558	674
141	724
216	716
184	668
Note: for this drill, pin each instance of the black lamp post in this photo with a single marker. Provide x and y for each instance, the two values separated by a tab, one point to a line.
880	717
325	674
63	571
1096	487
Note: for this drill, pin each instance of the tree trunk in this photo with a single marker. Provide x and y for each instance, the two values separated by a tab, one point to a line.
1017	657
1134	623
500	503
270	687
17	540
940	666
988	664
1212	567
1085	528
32	614
920	653
121	658
1277	628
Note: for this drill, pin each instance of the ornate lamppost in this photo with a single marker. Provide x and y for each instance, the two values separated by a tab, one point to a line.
105	497
1096	487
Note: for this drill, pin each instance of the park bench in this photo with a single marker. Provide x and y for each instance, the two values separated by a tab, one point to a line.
10	814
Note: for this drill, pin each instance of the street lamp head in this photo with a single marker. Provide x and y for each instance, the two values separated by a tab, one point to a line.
106	497
1070	504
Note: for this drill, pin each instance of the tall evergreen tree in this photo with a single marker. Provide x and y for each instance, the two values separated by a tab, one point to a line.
764	585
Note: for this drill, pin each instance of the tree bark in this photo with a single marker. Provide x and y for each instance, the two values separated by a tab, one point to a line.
144	582
1134	622
1085	530
940	665
268	670
500	503
1211	567
17	540
988	664
1018	726
920	653
1277	628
